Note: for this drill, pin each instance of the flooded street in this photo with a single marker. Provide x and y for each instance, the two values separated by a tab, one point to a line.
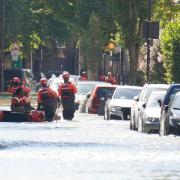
86	148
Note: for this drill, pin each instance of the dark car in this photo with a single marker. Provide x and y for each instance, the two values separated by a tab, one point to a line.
25	75
171	115
172	90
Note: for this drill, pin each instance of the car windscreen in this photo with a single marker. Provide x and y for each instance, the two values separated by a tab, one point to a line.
147	92
125	93
84	88
153	100
28	75
105	92
176	103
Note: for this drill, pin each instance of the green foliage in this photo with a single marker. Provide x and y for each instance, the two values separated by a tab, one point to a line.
165	11
157	73
170	46
92	42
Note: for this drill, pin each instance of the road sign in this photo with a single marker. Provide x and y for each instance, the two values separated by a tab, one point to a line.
15	51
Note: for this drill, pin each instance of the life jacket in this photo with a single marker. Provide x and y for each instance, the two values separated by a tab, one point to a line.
66	91
46	97
18	97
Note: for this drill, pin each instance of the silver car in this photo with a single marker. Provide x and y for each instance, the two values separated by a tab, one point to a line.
149	120
119	106
137	106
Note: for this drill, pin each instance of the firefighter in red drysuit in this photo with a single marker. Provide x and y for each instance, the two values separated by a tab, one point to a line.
110	79
102	77
47	100
67	92
83	76
20	96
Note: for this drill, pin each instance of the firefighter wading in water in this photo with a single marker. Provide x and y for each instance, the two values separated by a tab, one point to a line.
47	100
20	101
67	92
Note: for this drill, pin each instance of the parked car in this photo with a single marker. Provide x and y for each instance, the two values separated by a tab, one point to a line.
137	106
164	122
119	106
96	100
25	75
171	116
149	120
83	88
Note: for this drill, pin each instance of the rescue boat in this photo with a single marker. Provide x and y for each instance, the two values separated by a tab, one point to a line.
32	116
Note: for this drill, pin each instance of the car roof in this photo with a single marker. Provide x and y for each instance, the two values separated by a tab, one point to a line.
104	85
129	87
92	82
157	85
159	92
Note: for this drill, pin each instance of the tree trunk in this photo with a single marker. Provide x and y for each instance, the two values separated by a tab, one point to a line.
133	55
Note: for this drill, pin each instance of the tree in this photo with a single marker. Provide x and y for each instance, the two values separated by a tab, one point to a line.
128	17
91	44
170	46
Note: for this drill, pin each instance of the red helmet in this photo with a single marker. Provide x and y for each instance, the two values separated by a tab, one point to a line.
66	75
43	81
16	80
109	74
84	73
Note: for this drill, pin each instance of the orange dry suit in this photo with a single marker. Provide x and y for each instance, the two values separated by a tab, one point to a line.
20	99
47	101
67	92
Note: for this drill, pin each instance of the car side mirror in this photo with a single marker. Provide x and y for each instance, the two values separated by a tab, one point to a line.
166	108
88	96
136	98
144	105
109	96
159	102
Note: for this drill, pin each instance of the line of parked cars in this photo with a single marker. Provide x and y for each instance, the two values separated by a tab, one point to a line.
151	108
157	109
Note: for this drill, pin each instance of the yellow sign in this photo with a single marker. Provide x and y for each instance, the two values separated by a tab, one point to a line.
111	45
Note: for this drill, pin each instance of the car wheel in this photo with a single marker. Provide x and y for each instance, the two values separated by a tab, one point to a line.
162	128
140	125
105	115
167	129
108	116
132	124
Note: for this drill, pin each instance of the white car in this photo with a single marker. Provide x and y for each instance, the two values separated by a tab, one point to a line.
119	106
137	108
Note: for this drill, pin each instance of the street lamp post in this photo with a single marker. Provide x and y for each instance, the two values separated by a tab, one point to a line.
2	44
148	40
